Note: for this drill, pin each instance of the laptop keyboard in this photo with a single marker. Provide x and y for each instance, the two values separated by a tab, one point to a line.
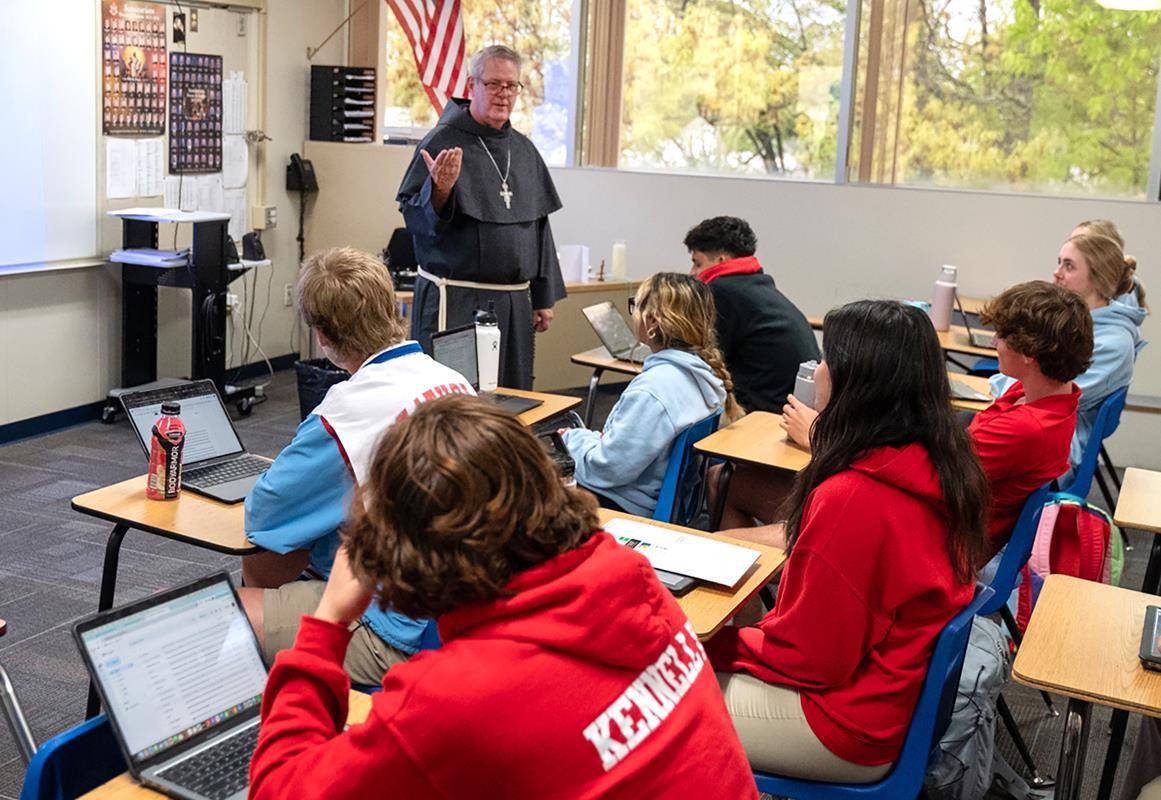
219	771
244	466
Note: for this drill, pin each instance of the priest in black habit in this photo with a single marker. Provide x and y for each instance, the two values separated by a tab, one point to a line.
476	199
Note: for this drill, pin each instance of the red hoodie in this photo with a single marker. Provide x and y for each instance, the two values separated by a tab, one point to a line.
867	589
1021	447
588	682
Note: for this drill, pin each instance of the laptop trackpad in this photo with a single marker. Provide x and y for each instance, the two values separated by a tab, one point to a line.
232	491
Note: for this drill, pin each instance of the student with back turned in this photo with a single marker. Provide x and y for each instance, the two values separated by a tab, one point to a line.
295	510
566	670
763	336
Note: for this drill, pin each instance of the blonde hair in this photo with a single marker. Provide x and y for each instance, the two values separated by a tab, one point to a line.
678	312
347	295
1111	271
1102	227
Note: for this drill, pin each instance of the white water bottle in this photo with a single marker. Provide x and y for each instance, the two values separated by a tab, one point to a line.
943	298
488	348
804	383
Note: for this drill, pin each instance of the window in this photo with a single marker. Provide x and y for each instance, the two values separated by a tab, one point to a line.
1054	96
540	30
735	87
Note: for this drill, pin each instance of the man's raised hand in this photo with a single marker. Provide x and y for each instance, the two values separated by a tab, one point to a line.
444	168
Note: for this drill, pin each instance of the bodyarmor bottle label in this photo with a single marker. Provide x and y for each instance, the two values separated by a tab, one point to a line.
168	441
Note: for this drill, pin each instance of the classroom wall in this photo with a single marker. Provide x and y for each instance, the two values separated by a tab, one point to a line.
825	244
60	330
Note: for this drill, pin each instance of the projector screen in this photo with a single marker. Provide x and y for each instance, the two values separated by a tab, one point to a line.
48	97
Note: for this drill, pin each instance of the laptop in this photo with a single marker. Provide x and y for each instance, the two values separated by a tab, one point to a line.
614	332
980	338
214	462
961	391
456	349
181	678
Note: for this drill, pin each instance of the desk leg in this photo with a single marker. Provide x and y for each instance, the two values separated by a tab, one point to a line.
1153	569
1113	754
723	489
591	399
105	602
1070	771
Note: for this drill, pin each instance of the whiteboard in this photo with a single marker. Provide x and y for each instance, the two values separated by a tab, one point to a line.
48	133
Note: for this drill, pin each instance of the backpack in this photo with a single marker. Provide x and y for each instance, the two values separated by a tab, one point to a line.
1073	538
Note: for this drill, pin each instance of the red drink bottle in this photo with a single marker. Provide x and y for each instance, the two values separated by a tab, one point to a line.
168	440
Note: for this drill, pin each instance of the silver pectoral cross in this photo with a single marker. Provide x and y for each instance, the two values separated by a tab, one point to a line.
507	195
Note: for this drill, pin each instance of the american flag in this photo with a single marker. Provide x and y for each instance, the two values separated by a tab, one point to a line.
436	33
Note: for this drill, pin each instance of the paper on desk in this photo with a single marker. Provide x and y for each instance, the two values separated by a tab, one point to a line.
235	206
150	167
684	553
235	162
120	167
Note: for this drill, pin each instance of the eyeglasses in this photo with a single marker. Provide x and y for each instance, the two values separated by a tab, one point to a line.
495	87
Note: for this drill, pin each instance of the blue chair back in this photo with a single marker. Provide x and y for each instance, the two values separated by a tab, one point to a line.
1108	418
681	491
74	762
932	713
1017	550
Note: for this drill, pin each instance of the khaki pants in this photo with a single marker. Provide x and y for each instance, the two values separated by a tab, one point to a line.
368	657
1151	791
777	738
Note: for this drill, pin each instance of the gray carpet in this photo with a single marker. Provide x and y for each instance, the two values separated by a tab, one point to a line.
50	570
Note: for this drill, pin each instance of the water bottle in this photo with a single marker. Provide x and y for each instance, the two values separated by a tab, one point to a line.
943	298
166	444
488	348
804	383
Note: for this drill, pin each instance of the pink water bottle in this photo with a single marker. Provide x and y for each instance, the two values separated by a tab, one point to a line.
943	298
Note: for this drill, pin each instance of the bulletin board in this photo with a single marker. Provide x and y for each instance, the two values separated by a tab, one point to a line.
133	68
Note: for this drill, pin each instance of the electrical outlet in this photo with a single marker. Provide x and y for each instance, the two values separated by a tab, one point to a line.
231	301
241	24
193	20
263	217
271	213
288	295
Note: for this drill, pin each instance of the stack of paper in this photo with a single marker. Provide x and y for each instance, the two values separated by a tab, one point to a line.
685	553
148	257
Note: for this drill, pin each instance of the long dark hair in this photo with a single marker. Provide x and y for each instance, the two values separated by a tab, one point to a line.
889	388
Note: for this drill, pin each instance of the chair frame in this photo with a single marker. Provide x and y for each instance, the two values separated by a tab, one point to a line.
671	506
932	713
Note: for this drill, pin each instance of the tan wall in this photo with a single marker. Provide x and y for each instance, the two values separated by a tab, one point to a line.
60	330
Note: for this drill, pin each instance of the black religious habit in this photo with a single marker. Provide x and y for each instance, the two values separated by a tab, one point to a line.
484	234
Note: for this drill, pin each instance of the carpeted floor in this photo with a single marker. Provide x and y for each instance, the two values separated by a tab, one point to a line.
50	570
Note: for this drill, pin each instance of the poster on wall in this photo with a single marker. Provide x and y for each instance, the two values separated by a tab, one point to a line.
133	68
195	113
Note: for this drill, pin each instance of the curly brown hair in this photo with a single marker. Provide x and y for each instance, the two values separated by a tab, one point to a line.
1045	322
460	497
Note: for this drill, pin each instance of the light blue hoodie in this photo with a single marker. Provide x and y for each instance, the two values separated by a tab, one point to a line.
1116	341
627	462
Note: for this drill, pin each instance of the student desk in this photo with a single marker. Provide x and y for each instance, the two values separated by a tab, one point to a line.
203	522
600	360
709	606
123	787
756	439
1089	657
1139	507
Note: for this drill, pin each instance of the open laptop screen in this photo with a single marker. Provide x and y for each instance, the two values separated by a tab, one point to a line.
171	670
208	431
611	328
456	349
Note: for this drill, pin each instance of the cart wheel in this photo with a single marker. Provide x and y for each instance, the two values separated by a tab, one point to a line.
245	406
108	414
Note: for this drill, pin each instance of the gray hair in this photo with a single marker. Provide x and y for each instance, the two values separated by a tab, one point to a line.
493	51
